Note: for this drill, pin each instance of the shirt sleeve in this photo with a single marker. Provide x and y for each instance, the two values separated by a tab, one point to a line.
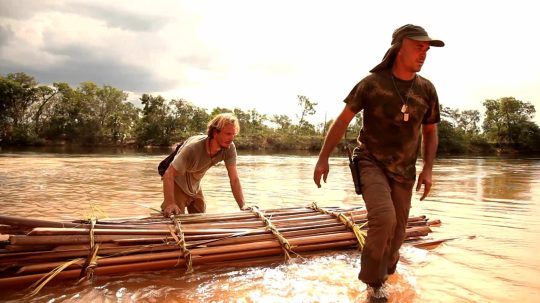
433	113
361	93
354	100
230	155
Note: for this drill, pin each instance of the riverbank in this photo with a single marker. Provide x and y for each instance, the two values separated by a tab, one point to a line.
268	144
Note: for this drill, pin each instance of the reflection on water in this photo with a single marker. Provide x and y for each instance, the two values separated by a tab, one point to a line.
494	200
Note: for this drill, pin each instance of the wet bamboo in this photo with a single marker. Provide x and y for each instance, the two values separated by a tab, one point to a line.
177	255
84	239
80	236
223	249
299	225
305	214
243	216
434	223
18	221
219	236
45	231
158	220
47	256
272	245
28	248
227	241
199	229
269	236
25	280
64	239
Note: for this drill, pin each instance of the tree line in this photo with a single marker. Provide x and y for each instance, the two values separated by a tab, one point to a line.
90	115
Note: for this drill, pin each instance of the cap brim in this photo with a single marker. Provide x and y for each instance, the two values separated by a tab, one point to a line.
432	42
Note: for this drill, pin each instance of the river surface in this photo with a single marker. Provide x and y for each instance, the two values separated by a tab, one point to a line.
491	206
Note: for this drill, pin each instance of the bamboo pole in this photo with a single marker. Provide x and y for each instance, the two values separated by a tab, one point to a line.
210	238
220	242
18	221
64	239
17	260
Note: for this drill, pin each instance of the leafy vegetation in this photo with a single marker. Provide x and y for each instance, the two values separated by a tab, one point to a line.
89	115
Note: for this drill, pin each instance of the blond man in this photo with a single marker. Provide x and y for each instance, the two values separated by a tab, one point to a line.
181	181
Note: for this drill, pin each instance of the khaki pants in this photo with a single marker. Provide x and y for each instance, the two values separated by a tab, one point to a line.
194	205
388	203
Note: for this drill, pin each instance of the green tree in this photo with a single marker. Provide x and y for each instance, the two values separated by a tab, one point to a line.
243	120
91	114
505	119
256	122
451	139
123	122
64	122
220	110
307	109
17	94
154	126
110	111
45	96
469	121
188	119
283	123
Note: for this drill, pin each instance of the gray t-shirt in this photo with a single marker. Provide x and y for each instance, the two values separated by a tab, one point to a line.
192	161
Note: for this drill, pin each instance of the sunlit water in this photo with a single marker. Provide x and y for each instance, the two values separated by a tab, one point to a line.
491	206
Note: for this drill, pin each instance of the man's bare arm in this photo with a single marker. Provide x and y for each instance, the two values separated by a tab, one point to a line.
169	204
430	142
236	186
335	133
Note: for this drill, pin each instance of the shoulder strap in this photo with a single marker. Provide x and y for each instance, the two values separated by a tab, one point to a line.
164	164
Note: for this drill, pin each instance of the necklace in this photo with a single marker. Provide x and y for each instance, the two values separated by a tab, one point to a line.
209	148
404	107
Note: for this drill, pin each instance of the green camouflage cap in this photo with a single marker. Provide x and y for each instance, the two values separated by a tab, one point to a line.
410	31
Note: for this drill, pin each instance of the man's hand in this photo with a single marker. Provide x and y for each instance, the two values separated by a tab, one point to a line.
321	169
245	207
424	178
171	209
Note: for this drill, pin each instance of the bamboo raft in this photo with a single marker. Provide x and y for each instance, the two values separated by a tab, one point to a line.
40	251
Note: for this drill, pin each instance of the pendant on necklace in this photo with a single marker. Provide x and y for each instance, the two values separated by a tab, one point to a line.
404	108
404	111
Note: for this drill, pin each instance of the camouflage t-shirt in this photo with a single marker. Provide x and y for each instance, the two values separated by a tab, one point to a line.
385	136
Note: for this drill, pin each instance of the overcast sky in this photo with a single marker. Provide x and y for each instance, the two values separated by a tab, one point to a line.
262	54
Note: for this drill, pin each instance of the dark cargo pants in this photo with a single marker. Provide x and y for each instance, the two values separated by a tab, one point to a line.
388	203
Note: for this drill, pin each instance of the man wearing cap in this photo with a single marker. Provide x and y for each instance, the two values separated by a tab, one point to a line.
400	112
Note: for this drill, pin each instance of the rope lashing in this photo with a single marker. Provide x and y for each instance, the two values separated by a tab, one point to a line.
178	236
357	229
91	262
285	245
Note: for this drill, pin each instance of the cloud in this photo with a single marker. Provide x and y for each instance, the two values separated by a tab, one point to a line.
77	42
81	64
114	16
6	34
23	9
118	17
250	55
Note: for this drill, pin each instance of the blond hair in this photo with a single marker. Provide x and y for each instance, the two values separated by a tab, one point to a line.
219	121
